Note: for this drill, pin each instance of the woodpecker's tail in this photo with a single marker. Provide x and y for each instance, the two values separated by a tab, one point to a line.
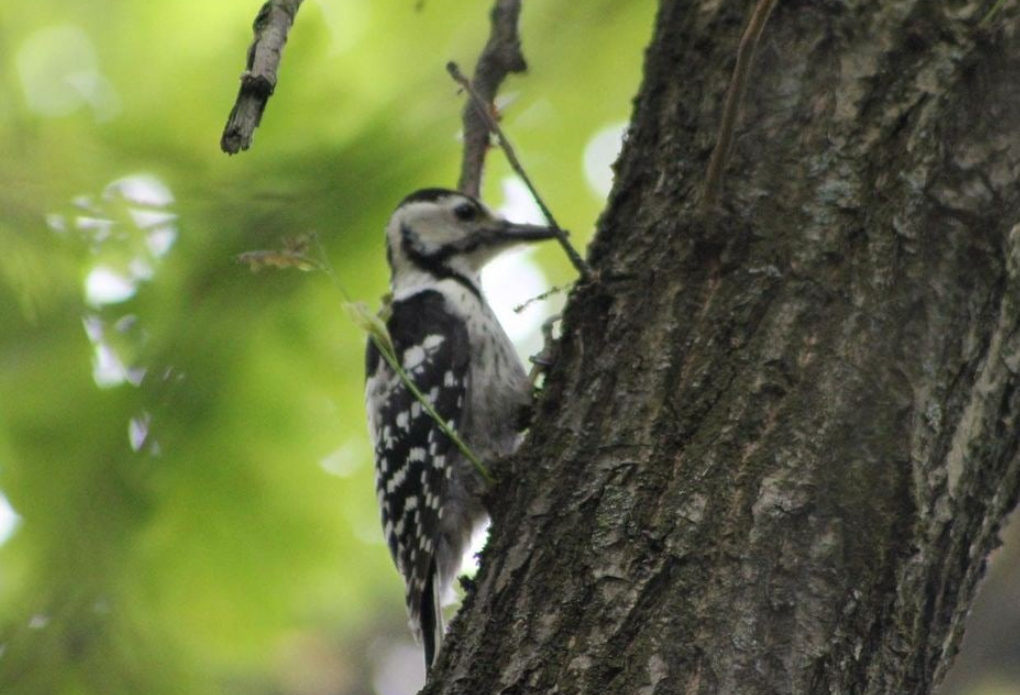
432	627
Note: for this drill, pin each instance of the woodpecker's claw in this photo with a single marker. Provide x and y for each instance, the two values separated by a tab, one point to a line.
546	358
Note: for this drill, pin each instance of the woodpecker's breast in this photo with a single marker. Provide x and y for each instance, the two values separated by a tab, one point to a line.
499	386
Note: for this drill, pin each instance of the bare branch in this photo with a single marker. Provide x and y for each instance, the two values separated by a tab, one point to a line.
477	103
501	56
734	98
259	78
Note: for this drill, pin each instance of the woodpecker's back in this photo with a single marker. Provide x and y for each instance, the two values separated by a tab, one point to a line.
450	343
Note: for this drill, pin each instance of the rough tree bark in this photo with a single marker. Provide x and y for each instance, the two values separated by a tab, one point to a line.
779	443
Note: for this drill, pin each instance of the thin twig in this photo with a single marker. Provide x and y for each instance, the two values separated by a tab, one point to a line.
482	108
734	99
258	81
990	15
540	297
501	56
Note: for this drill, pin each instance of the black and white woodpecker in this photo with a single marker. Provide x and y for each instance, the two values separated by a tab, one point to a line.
450	343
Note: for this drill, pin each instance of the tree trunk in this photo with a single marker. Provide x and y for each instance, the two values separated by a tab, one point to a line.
778	443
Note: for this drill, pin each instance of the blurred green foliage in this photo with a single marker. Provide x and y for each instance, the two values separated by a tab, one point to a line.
182	441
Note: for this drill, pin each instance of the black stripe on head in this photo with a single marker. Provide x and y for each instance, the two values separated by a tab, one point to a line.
428	195
434	263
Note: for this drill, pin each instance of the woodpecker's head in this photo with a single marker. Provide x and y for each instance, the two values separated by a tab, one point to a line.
448	234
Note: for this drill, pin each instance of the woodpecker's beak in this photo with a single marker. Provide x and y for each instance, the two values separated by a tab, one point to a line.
511	232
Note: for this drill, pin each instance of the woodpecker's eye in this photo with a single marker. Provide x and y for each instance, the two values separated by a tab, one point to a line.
465	212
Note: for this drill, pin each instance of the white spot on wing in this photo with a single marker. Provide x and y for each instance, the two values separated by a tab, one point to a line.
396	481
413	356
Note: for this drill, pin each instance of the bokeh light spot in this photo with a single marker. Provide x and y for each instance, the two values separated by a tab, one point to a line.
514	277
399	670
345	461
60	74
9	519
106	286
599	155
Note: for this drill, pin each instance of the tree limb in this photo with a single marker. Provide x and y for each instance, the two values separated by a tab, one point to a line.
258	81
501	56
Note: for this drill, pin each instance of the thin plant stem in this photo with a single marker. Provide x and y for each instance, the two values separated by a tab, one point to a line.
379	336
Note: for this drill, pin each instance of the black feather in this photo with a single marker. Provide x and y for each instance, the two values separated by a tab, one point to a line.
429	195
431	619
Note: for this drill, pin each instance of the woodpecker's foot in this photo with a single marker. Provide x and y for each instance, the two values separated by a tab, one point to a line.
525	414
546	358
467	584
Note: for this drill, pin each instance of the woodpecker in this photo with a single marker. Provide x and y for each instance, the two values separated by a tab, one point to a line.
448	340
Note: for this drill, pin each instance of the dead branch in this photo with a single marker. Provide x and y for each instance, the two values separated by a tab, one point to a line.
501	56
259	78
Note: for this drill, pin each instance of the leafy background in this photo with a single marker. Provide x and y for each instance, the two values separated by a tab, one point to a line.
186	494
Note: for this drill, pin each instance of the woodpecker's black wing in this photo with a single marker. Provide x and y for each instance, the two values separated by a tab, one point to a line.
413	456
